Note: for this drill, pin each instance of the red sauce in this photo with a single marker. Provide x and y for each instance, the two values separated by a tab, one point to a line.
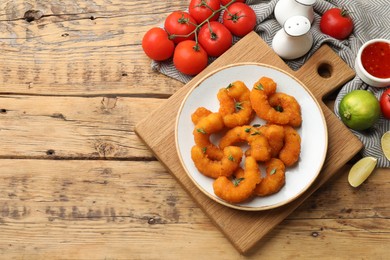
376	59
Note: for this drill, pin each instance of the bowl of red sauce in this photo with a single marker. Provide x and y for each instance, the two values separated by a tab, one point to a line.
372	63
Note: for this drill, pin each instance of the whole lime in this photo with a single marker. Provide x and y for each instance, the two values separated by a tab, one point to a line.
359	109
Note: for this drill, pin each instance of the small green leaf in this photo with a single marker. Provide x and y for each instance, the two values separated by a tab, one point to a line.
259	87
256	133
230	85
201	130
279	108
204	149
237	181
247	130
256	125
272	172
231	158
238	105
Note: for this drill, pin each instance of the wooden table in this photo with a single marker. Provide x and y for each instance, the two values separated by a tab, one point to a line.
76	181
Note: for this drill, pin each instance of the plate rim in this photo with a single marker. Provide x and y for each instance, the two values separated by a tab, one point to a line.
236	206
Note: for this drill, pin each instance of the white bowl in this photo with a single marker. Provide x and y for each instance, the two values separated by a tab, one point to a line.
364	74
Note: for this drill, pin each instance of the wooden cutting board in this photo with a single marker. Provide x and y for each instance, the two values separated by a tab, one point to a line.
322	73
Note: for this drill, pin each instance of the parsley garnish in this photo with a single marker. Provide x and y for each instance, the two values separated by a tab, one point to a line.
201	130
279	108
238	105
237	181
259	87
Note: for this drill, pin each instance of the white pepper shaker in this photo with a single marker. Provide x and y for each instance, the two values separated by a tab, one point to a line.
295	39
287	8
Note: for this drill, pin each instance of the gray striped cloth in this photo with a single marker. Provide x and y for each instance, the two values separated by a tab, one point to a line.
371	20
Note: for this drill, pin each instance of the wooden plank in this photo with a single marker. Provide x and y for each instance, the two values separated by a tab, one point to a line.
81	48
112	209
73	127
245	229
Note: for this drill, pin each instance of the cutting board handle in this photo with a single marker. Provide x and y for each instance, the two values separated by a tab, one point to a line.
324	72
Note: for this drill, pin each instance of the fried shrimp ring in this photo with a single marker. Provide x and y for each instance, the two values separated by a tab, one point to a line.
260	149
289	105
292	146
262	89
275	136
242	187
199	113
235	106
230	161
274	180
206	126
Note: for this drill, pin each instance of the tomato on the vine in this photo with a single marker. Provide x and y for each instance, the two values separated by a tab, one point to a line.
157	45
225	2
215	38
385	103
240	19
203	9
189	57
180	23
337	23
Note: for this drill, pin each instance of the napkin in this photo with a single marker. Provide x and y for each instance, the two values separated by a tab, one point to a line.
371	20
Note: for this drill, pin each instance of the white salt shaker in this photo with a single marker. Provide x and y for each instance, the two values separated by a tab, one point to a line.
287	8
295	39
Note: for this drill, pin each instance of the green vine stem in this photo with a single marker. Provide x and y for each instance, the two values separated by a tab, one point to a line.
198	26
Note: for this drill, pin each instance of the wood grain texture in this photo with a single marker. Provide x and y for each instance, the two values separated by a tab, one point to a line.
110	209
73	127
89	47
246	229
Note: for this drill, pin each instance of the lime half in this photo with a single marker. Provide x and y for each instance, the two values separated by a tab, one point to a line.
361	170
385	143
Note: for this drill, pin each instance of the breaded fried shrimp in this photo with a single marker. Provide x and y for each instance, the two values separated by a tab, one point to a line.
275	136
206	126
291	150
230	161
226	103
235	135
262	89
242	187
259	146
287	104
274	180
235	106
199	113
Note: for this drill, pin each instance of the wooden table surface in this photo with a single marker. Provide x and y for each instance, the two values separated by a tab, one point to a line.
77	182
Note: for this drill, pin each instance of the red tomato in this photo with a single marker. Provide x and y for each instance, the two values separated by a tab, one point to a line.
180	23
385	103
203	9
336	23
190	58
225	2
215	38
157	45
240	19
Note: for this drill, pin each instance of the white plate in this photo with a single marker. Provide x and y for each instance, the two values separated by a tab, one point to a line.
313	131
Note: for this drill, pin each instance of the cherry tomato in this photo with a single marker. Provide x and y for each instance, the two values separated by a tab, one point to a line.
337	23
203	9
215	38
190	58
180	23
385	103
157	45
225	2
240	19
